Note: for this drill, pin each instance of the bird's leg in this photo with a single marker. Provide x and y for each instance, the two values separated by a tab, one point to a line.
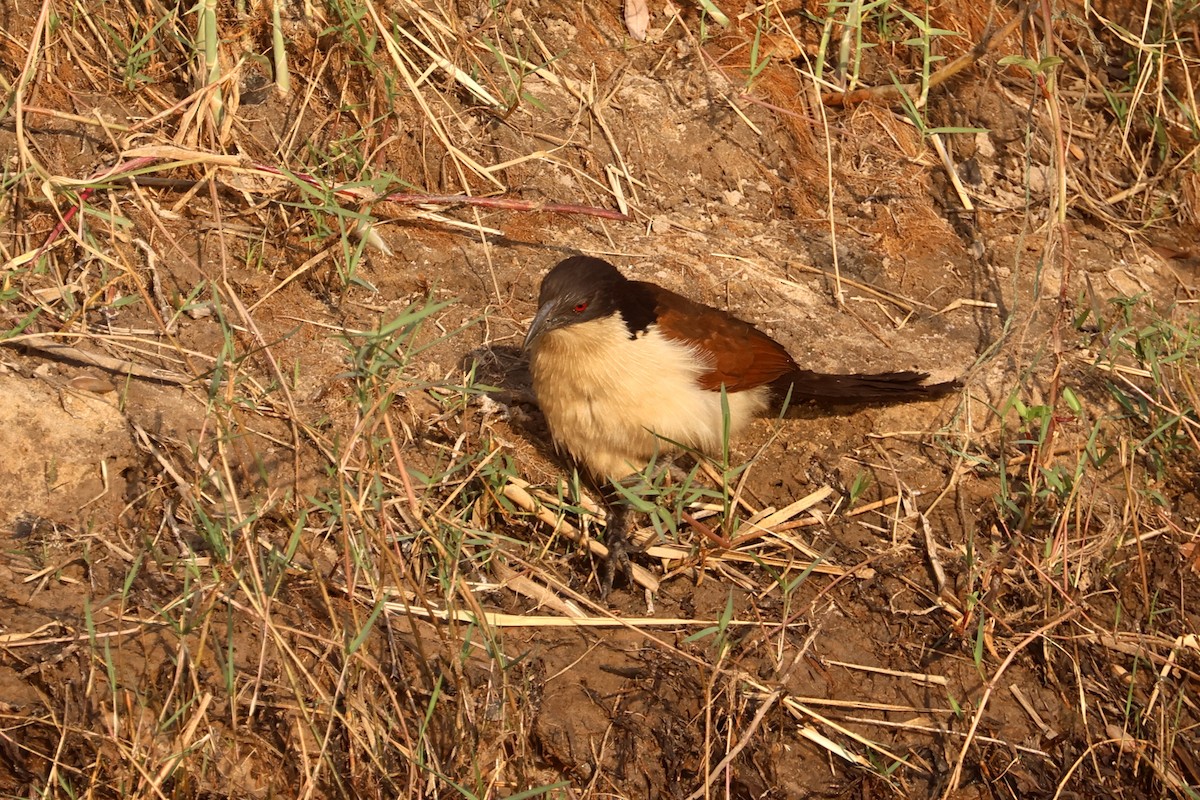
620	519
616	539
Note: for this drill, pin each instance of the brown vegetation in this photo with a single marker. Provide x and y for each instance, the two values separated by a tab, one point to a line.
279	514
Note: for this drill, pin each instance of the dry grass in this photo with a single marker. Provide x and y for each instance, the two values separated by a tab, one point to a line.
282	246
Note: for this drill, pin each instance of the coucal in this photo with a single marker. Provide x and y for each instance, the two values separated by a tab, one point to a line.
626	369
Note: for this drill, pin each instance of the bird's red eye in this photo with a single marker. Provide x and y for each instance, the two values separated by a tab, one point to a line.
580	308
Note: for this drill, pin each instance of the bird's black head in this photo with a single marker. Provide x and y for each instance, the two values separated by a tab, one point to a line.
576	290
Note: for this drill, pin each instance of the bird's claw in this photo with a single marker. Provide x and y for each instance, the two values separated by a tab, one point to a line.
616	538
618	558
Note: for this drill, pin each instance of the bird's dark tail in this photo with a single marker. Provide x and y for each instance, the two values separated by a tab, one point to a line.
881	387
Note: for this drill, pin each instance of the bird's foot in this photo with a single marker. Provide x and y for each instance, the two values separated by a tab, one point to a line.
618	559
616	539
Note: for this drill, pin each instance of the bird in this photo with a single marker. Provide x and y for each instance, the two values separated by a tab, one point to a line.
625	370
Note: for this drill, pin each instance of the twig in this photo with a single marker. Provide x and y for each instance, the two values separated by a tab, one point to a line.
38	343
506	204
147	155
886	95
518	494
737	748
903	303
956	776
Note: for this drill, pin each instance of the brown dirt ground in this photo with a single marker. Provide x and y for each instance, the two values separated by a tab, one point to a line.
726	215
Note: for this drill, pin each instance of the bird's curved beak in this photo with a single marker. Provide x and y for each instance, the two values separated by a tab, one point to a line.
542	322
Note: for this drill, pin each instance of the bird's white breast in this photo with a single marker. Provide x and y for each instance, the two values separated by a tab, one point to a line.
606	396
